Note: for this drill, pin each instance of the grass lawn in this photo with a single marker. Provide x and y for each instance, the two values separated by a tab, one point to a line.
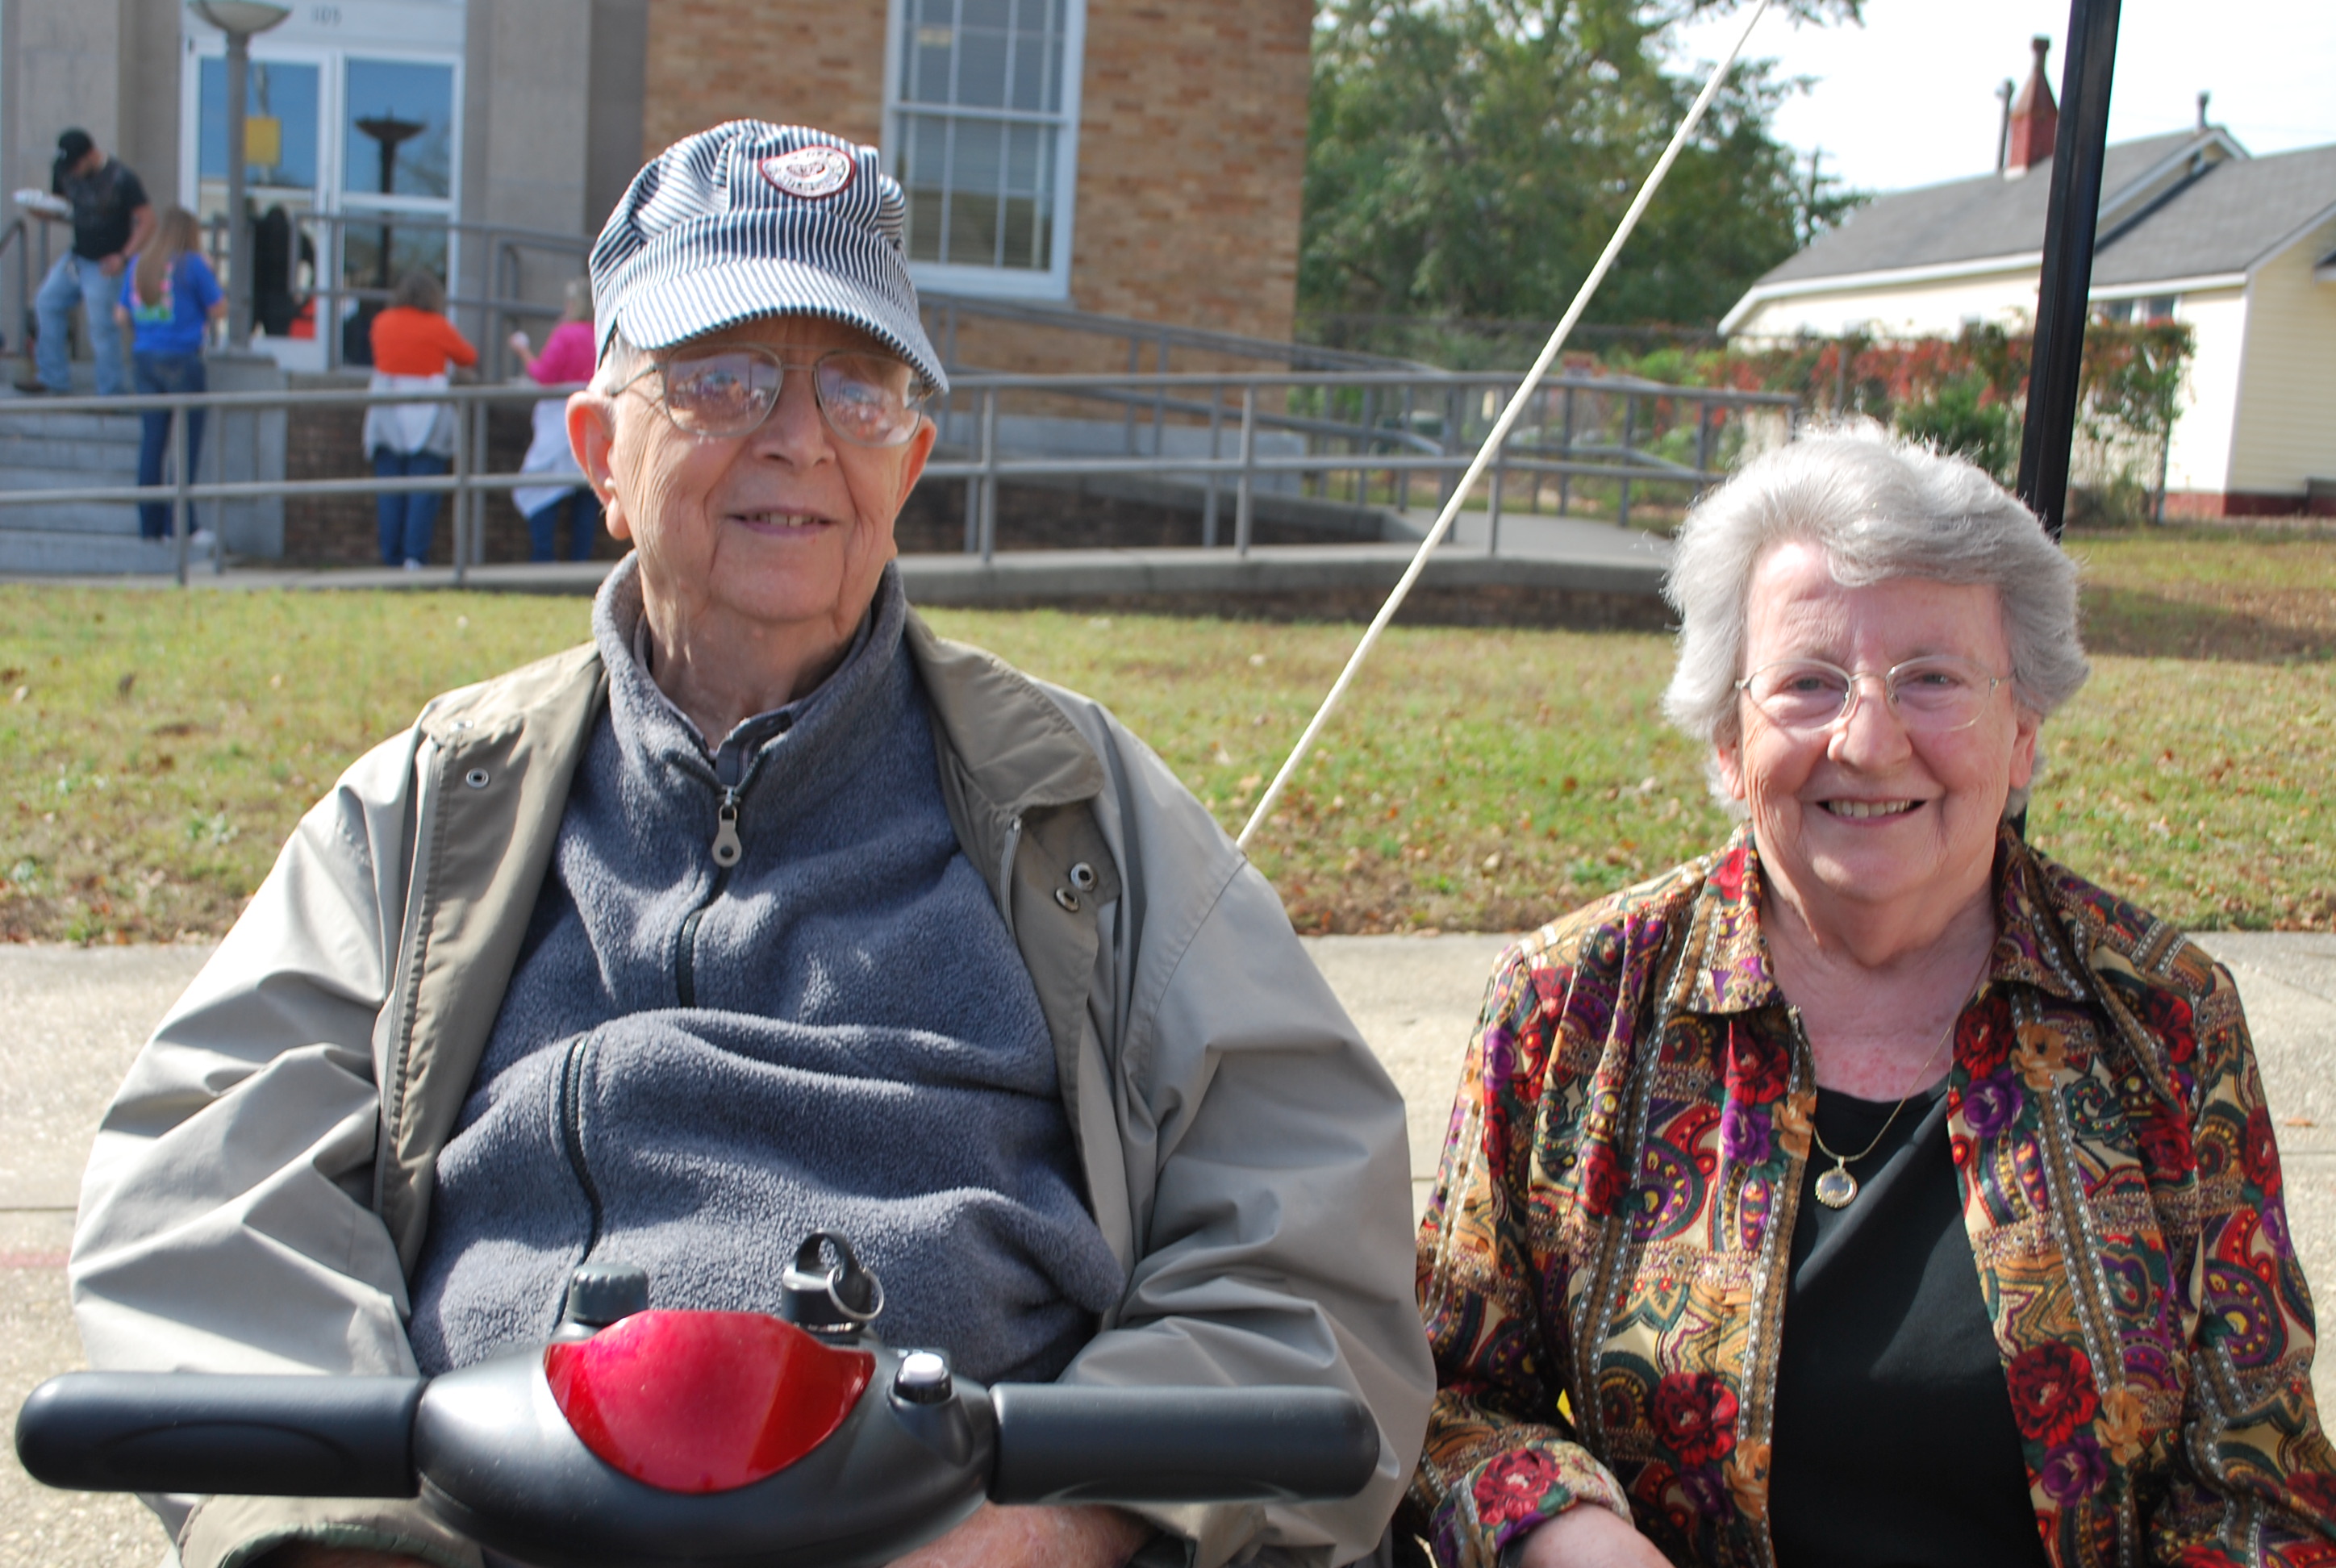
156	747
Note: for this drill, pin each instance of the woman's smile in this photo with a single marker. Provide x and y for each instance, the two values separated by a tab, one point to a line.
1870	811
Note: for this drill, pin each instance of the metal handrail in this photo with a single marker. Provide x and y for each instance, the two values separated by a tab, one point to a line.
1072	381
182	491
984	468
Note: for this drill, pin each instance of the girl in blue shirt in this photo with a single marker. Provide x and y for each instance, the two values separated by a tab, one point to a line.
168	299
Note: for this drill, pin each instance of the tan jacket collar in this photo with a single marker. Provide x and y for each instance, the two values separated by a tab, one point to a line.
1018	748
1015	744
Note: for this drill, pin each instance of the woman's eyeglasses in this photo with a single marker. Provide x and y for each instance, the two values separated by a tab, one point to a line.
1932	696
867	399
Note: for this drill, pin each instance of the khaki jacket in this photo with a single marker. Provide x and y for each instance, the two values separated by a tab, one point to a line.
261	1185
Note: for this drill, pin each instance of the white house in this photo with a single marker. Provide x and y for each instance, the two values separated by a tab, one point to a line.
2242	249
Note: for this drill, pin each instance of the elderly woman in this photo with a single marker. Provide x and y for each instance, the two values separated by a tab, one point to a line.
1874	1190
568	354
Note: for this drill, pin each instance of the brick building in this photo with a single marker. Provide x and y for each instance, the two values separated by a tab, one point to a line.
1131	157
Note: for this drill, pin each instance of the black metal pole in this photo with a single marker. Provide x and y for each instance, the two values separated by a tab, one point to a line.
2066	284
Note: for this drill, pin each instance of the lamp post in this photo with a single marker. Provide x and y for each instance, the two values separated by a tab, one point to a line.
387	131
2064	283
238	19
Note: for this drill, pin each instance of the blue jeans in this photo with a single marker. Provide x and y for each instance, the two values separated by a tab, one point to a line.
160	373
75	279
583	509
407	516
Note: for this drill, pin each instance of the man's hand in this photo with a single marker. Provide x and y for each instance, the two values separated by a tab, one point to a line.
1035	1538
309	1554
1589	1536
111	266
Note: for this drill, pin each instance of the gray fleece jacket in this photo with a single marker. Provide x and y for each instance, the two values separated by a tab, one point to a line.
696	1064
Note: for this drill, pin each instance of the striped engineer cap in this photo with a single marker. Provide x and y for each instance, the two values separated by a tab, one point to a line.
750	219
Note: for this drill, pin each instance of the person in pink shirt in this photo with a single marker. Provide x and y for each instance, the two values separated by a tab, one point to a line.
568	356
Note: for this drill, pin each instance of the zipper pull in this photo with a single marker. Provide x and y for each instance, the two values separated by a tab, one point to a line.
727	847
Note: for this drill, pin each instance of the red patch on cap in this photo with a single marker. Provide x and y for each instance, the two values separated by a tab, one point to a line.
811	173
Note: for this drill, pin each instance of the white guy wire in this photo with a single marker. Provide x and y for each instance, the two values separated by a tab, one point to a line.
1500	432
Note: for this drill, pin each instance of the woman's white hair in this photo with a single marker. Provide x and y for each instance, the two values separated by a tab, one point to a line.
1880	507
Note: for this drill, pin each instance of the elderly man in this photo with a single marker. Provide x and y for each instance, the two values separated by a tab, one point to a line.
110	220
766	911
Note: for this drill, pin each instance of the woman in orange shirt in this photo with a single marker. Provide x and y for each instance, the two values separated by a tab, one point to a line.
415	346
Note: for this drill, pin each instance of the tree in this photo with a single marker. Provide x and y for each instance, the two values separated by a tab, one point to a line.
1470	157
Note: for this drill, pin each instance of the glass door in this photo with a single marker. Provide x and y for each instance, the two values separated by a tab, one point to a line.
397	163
283	177
352	158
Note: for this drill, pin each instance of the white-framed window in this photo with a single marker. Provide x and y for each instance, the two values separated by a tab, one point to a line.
2140	309
981	129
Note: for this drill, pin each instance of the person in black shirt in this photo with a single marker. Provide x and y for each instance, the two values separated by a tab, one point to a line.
111	219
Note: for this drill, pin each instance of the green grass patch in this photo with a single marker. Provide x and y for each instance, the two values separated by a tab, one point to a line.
156	747
1474	779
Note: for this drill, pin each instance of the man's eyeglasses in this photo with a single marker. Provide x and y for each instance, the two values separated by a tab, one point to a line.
868	399
1932	696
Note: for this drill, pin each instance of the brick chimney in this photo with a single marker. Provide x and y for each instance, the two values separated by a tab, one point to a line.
2034	119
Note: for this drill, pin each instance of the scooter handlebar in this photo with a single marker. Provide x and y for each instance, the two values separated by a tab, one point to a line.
321	1437
1073	1442
345	1436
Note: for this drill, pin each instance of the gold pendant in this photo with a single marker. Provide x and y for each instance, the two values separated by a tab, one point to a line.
1836	1187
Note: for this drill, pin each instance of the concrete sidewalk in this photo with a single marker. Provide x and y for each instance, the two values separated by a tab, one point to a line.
71	1019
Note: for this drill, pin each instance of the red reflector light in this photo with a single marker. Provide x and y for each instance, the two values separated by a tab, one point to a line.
704	1401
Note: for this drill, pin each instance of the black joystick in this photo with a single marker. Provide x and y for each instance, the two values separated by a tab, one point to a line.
600	1294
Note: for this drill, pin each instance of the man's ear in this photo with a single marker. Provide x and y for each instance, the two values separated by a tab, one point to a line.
592	436
913	465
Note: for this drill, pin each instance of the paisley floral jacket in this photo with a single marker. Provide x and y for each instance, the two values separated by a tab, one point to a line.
1603	1265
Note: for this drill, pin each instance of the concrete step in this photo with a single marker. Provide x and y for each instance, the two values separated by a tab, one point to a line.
45	552
18	419
18	452
13	478
79	518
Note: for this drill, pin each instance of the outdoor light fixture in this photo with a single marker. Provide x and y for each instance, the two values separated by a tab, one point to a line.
243	16
238	19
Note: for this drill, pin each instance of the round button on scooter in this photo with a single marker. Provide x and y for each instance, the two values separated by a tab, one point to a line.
923	1380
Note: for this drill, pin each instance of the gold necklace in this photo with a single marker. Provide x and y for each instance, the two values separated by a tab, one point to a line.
1836	1188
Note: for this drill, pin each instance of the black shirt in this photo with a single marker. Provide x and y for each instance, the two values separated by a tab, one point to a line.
101	205
1894	1446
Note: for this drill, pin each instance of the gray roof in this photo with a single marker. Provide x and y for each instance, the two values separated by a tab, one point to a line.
2227	219
2223	220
